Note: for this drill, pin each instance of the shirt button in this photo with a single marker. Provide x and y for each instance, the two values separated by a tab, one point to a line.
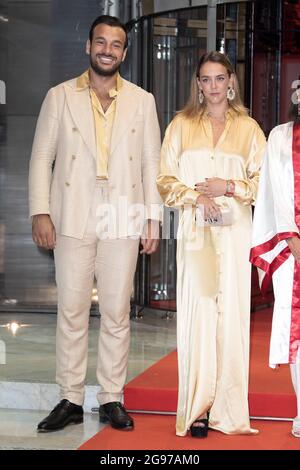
74	129
67	183
132	130
130	158
133	186
73	157
212	157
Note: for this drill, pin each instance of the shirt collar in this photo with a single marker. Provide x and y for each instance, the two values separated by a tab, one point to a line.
83	82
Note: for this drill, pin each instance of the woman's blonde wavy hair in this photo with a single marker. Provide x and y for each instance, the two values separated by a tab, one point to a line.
193	108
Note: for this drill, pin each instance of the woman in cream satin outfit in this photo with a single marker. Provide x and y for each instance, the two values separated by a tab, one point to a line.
210	159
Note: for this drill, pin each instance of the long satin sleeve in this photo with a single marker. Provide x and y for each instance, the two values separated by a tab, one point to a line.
173	191
246	189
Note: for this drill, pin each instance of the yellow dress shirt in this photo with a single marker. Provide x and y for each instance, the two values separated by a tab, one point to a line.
103	122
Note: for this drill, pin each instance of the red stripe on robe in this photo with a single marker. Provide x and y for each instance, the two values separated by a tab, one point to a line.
295	311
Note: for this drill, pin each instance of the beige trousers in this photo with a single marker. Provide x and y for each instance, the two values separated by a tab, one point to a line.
77	262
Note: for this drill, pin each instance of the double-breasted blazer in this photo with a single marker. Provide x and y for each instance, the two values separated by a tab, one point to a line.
62	174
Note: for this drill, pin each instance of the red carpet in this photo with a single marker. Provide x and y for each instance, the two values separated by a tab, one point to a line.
270	391
157	432
270	394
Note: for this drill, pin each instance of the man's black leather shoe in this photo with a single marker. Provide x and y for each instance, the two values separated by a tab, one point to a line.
63	414
115	413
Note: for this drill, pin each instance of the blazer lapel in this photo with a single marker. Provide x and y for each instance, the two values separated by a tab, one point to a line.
126	108
81	110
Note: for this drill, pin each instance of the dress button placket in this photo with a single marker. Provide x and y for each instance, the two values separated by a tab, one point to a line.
213	163
220	257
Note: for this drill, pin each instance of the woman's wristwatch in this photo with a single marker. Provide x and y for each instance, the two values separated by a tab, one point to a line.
230	188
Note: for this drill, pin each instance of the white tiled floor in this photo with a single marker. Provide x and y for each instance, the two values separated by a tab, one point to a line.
18	431
30	357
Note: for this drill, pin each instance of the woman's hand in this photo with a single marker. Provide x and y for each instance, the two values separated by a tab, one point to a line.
211	209
212	187
294	245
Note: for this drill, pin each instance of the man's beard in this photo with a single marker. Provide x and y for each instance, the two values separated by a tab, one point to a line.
104	72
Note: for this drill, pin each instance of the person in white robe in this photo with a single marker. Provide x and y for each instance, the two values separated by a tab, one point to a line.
210	162
276	245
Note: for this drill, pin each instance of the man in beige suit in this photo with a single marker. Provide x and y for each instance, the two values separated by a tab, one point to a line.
93	198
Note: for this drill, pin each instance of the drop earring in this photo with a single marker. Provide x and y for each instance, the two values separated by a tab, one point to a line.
230	94
201	97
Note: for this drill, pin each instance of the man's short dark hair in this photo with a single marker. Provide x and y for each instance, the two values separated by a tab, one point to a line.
112	21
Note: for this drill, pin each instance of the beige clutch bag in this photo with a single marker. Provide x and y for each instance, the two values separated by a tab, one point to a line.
226	218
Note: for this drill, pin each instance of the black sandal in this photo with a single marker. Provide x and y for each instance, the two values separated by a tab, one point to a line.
199	428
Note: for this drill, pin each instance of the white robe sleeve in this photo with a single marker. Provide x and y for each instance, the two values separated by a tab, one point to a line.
274	216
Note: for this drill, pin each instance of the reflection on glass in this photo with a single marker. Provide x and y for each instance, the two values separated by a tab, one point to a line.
266	53
179	39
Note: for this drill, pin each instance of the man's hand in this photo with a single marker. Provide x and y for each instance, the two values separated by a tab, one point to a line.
212	187
294	245
150	237
43	231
